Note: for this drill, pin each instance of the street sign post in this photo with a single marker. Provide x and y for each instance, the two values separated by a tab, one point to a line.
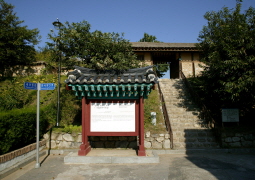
38	87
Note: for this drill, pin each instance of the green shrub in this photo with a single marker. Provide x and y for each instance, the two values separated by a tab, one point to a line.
18	128
69	129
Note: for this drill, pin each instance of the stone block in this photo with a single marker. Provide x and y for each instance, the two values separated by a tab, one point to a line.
52	144
225	145
123	138
79	138
75	145
94	138
238	134
167	136
147	134
202	133
201	139
166	144
247	144
235	144
236	139
223	135
103	138
113	138
228	139
191	139
147	144
248	137
160	139
156	144
65	144
46	136
121	144
211	139
68	137
53	135
182	140
132	138
109	144
149	139
98	144
133	145
155	135
59	138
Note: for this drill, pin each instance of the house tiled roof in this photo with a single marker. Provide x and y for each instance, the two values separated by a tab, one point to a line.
83	75
152	46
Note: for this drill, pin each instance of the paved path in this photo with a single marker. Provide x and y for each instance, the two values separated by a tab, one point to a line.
173	166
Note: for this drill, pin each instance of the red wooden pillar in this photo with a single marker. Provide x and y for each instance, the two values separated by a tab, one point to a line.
85	146
141	150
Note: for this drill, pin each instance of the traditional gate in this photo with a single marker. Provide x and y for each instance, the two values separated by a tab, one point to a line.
112	103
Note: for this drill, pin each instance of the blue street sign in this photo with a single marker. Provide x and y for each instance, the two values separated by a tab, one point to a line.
31	86
47	86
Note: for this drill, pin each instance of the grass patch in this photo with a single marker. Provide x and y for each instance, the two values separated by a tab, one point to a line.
153	104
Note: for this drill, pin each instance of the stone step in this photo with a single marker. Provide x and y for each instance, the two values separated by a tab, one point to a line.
189	130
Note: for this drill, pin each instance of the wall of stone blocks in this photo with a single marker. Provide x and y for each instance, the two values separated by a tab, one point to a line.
187	68
237	140
74	140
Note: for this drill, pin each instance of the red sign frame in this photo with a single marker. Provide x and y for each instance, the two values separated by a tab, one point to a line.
139	124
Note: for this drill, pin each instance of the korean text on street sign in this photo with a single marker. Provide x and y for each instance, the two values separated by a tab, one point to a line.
47	86
31	86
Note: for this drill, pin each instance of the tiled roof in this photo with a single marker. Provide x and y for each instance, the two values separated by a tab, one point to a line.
83	75
163	45
153	46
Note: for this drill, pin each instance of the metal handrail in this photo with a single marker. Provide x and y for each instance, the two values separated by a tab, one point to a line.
167	119
206	114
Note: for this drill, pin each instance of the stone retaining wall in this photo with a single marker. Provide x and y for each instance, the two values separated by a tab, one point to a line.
74	140
237	140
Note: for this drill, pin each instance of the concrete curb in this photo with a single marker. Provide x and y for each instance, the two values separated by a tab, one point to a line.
17	166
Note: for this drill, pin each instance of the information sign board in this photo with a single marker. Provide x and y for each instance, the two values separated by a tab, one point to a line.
230	115
30	85
47	86
112	117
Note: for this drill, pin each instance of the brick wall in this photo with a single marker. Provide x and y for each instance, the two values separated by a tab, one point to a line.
11	155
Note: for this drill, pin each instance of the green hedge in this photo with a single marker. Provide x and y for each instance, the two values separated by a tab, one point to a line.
18	128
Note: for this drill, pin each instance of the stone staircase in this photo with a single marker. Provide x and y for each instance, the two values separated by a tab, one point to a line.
189	130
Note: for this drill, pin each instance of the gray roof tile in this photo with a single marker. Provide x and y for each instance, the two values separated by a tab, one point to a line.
82	75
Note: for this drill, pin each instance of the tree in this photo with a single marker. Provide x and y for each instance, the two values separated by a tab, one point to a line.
228	52
16	41
148	38
95	50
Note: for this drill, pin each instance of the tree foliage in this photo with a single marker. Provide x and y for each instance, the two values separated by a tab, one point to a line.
148	38
16	41
95	50
228	51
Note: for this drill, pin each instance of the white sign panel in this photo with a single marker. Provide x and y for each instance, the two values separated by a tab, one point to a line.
112	117
230	115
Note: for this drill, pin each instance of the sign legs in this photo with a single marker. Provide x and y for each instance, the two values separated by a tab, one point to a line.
141	149
85	146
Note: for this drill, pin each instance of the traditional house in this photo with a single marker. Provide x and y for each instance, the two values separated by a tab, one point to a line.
180	56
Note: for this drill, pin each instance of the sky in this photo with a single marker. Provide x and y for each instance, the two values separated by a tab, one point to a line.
173	21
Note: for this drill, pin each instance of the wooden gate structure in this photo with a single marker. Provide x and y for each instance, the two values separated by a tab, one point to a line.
112	103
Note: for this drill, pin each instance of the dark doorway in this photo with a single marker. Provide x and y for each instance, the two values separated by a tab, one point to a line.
167	58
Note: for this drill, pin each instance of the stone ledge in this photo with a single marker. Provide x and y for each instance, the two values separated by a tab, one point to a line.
73	158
